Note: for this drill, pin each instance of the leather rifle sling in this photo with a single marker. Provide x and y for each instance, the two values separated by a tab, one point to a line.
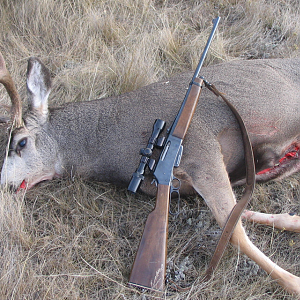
242	203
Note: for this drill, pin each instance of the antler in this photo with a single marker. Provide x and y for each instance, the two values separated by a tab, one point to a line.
7	81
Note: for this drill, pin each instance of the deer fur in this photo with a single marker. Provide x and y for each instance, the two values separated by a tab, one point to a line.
101	139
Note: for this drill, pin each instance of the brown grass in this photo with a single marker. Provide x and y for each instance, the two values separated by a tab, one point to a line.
70	239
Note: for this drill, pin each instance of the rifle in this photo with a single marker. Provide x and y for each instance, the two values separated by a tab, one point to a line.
149	266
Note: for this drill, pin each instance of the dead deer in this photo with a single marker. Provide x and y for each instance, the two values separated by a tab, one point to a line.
100	139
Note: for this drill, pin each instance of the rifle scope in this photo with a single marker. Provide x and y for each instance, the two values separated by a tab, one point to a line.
146	153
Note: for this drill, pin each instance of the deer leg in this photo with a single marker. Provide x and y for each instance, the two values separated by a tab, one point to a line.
288	281
290	222
213	184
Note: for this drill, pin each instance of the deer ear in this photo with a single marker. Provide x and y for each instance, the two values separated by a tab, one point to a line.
38	87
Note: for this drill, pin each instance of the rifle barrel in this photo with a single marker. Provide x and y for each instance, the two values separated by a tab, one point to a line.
204	53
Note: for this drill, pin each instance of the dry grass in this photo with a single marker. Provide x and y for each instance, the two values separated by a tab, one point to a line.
76	240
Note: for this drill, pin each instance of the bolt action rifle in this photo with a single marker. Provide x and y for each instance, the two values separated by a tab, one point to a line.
149	267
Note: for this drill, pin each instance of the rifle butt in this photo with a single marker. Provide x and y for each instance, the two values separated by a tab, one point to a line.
149	267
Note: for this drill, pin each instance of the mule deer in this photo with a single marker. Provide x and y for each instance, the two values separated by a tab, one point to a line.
99	139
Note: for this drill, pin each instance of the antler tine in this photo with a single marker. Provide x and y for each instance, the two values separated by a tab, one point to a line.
7	81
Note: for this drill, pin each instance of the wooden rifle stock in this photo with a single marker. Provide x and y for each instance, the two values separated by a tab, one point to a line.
149	266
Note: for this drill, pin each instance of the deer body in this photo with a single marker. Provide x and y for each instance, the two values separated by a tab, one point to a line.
100	139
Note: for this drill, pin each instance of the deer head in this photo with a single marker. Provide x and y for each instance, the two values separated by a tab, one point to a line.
32	151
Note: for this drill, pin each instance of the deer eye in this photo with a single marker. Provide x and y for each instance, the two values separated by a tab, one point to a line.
21	144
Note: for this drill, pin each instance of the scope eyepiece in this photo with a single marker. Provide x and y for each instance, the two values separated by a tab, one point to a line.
135	182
